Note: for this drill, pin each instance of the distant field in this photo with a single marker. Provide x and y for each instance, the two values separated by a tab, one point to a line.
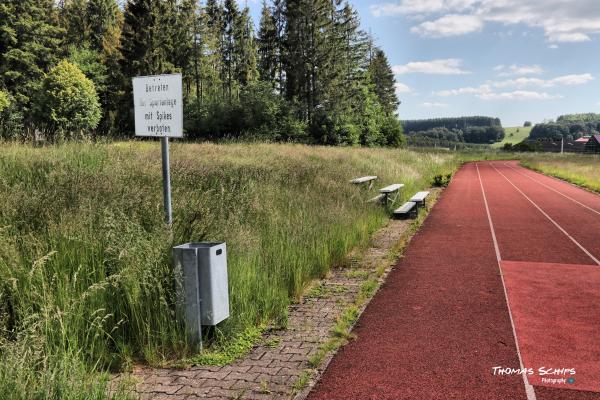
578	169
85	273
514	135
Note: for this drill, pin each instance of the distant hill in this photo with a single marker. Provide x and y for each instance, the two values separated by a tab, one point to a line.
571	126
477	129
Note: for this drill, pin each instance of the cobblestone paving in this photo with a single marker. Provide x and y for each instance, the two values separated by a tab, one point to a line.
270	370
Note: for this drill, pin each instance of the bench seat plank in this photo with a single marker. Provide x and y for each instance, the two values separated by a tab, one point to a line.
407	208
363	179
419	197
391	188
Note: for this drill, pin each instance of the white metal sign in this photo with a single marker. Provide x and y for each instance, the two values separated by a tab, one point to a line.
158	103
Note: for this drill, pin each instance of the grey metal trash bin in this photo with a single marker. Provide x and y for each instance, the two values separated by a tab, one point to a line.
202	286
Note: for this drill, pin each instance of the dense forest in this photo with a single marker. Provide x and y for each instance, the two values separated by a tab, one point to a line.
477	129
309	73
570	126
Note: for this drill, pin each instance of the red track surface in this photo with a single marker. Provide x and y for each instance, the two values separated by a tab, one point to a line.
441	322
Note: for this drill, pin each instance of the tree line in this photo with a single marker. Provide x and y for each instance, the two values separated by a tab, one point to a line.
477	129
309	73
569	127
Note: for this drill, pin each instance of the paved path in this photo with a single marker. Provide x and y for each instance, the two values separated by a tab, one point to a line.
504	273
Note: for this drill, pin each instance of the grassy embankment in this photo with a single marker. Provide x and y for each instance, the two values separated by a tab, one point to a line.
513	135
582	170
85	271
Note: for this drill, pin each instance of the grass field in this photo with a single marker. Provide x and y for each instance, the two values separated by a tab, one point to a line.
514	135
85	270
578	169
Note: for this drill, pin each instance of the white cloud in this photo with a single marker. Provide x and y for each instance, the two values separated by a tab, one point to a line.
518	70
572	37
487	90
565	80
466	90
449	66
449	25
563	21
518	95
433	105
402	88
571	80
411	7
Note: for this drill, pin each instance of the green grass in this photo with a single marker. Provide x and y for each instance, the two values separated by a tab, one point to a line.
514	135
582	170
86	282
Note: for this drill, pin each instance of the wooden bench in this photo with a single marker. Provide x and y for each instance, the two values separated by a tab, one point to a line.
364	179
389	190
420	198
408	209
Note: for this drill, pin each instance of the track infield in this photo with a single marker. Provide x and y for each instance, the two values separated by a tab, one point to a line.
502	278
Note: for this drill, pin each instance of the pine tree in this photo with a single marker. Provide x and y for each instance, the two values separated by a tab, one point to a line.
73	19
245	49
209	51
384	82
104	21
308	52
30	43
230	21
279	18
184	42
267	46
146	45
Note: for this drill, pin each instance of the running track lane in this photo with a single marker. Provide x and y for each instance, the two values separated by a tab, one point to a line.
441	323
581	221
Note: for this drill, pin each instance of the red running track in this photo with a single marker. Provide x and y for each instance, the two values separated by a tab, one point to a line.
442	321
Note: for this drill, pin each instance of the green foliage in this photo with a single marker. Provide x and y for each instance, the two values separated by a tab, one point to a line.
572	126
522	147
4	101
587	117
482	130
67	105
29	44
527	124
90	63
267	46
441	180
383	79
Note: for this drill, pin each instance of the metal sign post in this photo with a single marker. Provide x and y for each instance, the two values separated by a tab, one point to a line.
158	103
164	144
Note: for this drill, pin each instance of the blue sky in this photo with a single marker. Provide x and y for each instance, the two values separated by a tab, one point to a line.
515	59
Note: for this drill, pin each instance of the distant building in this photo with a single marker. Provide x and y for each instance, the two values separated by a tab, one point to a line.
583	139
593	145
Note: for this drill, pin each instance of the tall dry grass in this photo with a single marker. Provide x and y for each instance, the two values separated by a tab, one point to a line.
86	282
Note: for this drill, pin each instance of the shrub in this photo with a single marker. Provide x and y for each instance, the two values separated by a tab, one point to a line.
67	105
11	118
391	129
4	101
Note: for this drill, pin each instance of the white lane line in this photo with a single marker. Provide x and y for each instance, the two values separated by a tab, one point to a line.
529	390
549	218
554	190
